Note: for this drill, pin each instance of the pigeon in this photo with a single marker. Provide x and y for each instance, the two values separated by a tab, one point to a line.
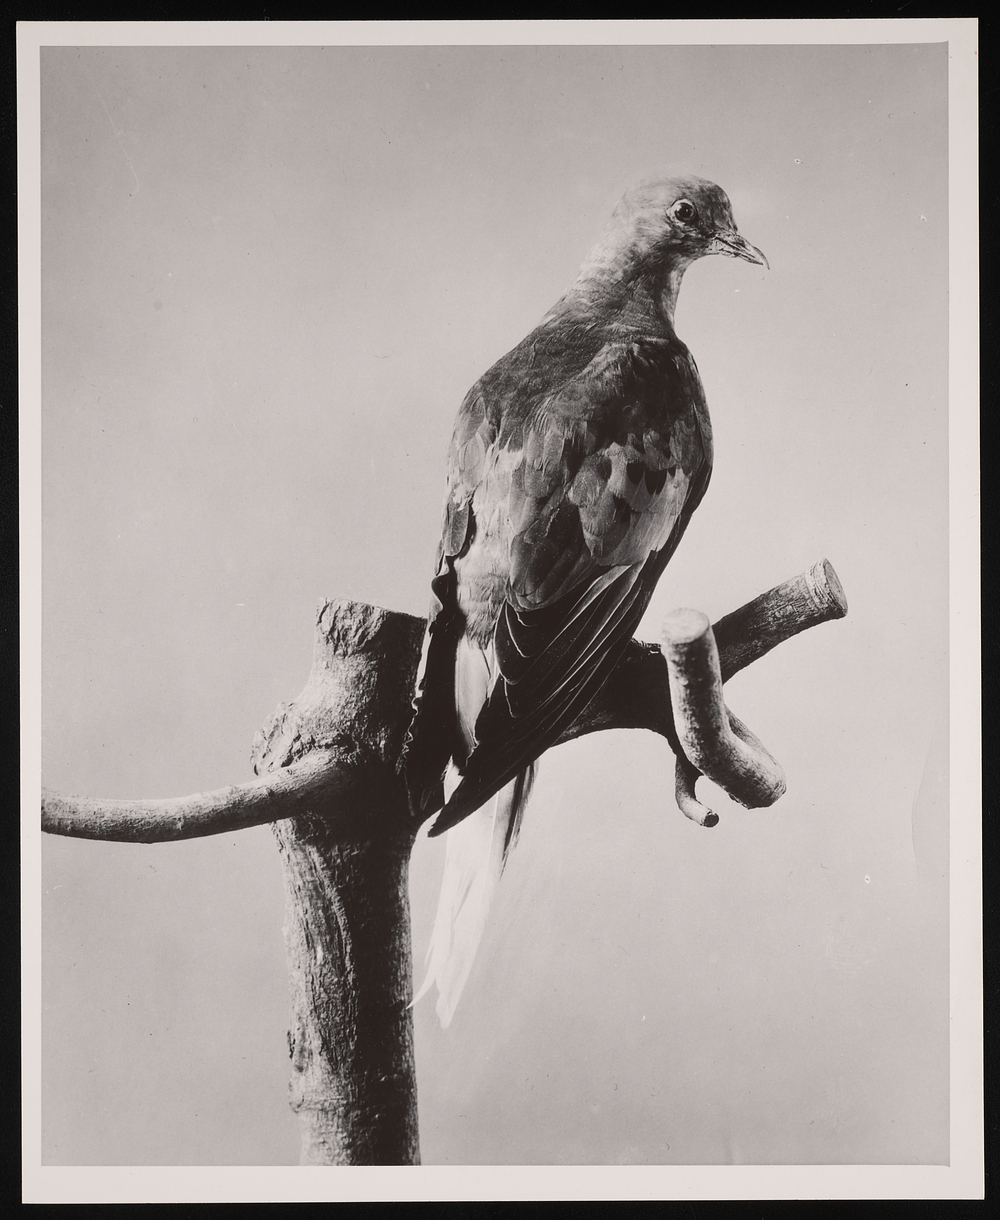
575	465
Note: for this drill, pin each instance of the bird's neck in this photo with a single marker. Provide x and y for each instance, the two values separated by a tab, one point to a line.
667	288
632	295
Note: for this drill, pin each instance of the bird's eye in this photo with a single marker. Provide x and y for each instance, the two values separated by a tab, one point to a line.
684	211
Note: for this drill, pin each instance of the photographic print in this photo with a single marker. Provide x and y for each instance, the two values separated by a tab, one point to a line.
555	339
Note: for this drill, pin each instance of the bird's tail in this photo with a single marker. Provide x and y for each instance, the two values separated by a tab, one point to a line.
476	851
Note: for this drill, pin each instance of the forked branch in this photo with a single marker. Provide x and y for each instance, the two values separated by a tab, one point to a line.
714	743
330	782
676	694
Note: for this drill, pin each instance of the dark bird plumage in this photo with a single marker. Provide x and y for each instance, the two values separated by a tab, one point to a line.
575	465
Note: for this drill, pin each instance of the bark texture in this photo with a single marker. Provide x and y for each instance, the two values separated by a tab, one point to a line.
347	924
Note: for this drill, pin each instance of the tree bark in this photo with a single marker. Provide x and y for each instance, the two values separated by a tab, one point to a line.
347	923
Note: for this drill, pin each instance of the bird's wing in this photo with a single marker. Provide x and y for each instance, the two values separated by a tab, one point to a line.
598	482
435	735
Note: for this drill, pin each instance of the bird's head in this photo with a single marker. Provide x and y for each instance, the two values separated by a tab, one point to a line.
662	225
680	219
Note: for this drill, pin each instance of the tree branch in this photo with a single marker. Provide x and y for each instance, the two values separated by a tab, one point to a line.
332	786
637	695
729	756
816	596
279	794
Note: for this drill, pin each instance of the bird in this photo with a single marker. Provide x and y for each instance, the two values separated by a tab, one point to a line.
575	464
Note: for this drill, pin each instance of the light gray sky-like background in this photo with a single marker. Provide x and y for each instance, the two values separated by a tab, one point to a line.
269	276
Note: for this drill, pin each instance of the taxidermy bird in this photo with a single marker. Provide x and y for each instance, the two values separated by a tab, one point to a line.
575	465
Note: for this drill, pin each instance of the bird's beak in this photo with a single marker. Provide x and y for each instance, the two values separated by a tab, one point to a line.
729	242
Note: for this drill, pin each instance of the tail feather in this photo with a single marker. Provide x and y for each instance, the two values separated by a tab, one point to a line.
476	851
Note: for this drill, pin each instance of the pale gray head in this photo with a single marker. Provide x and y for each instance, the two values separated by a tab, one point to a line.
664	224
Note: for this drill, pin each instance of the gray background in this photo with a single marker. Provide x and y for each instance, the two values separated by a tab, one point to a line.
269	276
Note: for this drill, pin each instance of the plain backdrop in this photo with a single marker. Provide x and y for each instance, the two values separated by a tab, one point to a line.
269	276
